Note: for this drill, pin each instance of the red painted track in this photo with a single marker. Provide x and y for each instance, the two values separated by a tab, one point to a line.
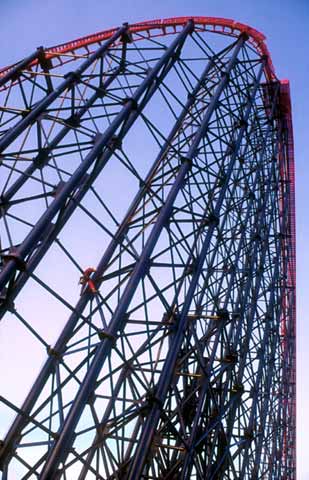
286	111
159	27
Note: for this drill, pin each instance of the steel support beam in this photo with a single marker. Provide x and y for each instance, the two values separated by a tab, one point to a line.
123	120
254	254
275	340
40	161
91	453
72	78
167	374
15	71
121	231
189	260
117	323
187	461
148	86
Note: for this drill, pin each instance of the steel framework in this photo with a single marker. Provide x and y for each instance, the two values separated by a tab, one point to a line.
153	164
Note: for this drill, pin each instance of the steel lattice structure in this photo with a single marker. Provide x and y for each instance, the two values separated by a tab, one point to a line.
154	165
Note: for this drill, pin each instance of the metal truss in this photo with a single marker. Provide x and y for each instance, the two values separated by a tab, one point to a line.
147	282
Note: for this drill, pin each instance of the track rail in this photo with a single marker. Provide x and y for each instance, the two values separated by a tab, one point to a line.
162	27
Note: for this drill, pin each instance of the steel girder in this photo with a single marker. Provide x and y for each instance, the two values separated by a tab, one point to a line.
163	157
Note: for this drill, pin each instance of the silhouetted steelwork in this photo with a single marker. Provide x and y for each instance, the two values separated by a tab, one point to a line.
147	216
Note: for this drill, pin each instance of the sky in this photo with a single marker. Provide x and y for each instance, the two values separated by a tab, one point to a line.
27	24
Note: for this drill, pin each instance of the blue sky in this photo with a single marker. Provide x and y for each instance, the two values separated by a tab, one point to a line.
28	24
